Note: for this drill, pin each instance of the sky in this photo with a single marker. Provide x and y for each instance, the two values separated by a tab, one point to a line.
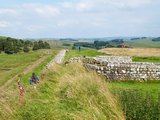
79	18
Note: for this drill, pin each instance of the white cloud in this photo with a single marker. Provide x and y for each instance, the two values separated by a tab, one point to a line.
34	28
7	11
44	10
129	3
80	6
4	24
47	10
82	17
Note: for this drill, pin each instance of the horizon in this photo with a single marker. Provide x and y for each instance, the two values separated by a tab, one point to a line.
79	18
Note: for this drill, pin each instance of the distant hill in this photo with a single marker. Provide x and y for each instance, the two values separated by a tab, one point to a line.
144	43
156	39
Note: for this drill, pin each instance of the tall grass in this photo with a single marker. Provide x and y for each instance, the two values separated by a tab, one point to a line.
69	92
139	106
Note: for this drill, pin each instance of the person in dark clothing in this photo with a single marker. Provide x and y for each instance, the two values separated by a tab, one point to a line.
34	79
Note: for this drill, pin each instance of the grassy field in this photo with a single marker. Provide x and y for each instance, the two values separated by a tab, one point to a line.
66	92
18	62
140	101
150	87
133	52
144	43
84	52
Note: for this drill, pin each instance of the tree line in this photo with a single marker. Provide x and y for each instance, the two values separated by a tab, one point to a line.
11	45
101	44
156	39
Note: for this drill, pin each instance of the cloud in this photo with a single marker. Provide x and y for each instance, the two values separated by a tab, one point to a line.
44	10
48	10
4	24
81	18
80	6
7	11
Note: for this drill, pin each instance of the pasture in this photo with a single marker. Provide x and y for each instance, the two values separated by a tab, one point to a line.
133	52
18	62
139	100
144	43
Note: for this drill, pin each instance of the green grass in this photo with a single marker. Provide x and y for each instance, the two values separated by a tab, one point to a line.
140	101
153	87
38	70
84	52
67	93
145	43
17	61
147	59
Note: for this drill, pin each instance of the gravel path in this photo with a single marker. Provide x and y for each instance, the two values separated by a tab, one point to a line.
57	59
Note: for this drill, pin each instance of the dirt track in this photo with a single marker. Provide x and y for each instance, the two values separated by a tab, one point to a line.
26	71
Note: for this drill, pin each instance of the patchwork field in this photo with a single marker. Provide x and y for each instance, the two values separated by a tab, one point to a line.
144	43
134	52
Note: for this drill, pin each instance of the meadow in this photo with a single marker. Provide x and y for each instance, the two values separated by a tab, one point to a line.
139	100
18	62
65	93
133	52
144	43
68	92
83	52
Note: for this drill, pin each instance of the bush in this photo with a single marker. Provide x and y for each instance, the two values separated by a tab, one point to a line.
26	49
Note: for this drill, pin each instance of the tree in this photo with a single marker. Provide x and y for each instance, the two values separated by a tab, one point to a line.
46	45
35	46
26	49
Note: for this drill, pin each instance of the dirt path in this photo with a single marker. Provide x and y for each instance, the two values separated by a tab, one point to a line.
58	59
26	71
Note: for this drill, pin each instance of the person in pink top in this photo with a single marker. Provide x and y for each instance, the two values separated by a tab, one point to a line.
20	88
22	93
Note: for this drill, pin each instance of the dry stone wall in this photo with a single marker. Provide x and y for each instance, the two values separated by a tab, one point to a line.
122	68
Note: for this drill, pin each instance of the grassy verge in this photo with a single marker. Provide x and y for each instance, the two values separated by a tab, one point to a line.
17	61
140	101
147	59
69	92
10	100
84	52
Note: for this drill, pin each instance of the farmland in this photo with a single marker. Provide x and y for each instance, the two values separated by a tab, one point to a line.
63	93
139	100
133	52
18	62
144	43
71	92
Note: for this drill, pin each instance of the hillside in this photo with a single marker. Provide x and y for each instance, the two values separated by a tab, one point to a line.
144	43
64	92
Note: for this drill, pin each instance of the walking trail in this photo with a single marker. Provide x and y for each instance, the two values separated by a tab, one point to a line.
26	71
58	59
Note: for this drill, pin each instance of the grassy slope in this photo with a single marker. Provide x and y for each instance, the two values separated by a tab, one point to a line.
150	87
9	101
66	92
145	43
69	92
17	61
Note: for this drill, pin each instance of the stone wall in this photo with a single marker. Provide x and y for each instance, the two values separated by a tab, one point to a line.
122	68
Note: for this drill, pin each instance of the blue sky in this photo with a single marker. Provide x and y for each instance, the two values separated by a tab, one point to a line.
79	18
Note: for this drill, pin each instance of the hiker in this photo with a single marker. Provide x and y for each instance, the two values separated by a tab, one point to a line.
20	88
34	79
